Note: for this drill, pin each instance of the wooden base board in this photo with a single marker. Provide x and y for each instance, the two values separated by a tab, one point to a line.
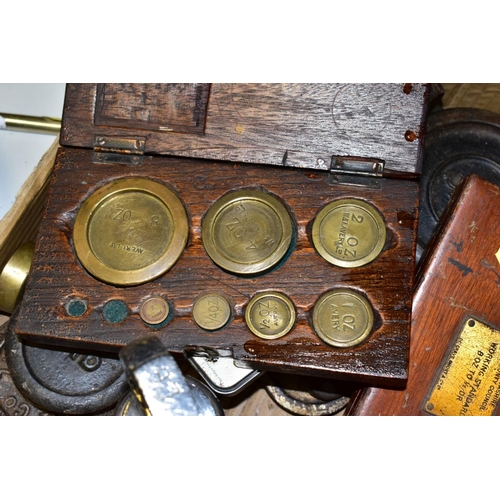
57	275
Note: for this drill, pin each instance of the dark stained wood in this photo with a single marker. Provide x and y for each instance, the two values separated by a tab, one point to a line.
298	125
57	276
277	126
459	278
172	107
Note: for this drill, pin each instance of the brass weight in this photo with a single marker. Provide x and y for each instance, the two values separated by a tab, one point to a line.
247	232
342	318
270	315
130	231
14	275
349	233
211	312
154	310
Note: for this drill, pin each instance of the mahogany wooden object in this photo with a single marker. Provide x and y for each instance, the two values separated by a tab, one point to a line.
294	125
459	278
212	122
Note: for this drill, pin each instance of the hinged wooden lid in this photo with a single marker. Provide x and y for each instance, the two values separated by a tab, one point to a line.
296	125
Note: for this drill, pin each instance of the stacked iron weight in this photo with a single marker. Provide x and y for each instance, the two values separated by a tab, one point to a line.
41	381
459	142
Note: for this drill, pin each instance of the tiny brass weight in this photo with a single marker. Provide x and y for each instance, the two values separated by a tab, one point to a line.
342	318
270	315
211	312
154	310
130	231
247	232
349	233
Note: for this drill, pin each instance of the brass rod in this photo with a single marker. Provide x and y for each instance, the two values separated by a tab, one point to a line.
25	123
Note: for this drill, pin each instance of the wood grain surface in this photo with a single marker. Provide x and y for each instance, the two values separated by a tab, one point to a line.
22	221
299	125
57	276
459	278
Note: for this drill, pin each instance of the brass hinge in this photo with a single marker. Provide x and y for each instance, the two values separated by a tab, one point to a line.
356	171
127	150
349	170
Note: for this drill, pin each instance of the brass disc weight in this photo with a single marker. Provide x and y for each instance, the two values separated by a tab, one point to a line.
130	231
270	315
154	310
349	233
211	312
342	318
247	232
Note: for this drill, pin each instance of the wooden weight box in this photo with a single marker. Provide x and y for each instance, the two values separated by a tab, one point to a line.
300	147
455	337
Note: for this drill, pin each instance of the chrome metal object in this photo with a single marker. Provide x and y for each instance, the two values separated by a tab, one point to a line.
130	406
221	374
159	385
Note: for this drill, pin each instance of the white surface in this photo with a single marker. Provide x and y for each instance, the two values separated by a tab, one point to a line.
20	152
